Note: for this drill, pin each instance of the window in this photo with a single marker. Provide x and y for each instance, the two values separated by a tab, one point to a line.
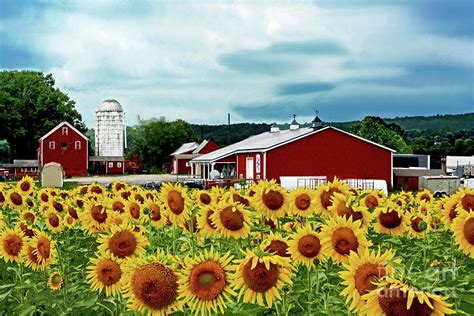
63	146
111	164
119	165
65	131
52	145
77	145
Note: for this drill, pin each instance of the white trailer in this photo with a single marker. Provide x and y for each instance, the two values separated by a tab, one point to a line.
440	185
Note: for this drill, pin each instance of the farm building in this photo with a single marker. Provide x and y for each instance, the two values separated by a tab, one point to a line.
411	161
188	151
318	151
408	179
64	144
19	168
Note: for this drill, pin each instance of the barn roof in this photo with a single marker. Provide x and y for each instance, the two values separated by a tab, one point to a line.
412	172
185	148
270	140
58	126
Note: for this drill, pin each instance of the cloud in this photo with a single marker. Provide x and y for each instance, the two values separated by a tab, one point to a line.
303	88
312	48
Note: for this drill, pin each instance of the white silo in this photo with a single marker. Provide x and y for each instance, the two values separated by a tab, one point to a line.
110	129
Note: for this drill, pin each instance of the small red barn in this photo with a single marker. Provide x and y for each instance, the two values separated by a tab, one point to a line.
64	144
322	151
188	151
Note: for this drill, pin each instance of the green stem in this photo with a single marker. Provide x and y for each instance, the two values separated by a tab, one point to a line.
310	290
63	275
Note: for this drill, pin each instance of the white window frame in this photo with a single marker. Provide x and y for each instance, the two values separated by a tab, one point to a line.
77	145
111	164
52	144
64	131
119	164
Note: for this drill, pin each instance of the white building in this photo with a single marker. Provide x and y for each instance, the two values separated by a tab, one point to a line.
110	132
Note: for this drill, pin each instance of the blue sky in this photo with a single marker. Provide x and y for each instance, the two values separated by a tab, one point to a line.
261	61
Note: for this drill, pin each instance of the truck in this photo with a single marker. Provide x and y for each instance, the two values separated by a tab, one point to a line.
440	185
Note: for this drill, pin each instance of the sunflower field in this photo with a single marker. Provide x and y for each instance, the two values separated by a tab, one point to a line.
262	250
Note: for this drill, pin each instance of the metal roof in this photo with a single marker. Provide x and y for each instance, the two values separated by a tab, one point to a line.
110	105
185	148
412	172
201	146
17	163
268	140
106	158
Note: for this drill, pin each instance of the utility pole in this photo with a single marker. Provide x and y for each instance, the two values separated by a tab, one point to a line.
228	128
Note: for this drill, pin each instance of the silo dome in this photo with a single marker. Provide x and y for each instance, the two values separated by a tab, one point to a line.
110	105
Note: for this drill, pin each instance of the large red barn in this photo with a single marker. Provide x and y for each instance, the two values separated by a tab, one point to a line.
64	144
323	151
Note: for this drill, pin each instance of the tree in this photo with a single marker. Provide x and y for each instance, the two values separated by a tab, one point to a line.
155	140
4	150
375	129
30	106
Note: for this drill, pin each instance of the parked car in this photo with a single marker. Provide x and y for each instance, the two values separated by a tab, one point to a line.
194	184
151	185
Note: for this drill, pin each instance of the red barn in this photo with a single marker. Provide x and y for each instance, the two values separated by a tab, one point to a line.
188	151
301	152
64	144
20	168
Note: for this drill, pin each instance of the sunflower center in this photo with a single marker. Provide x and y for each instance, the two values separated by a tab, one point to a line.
309	246
207	280
155	286
96	189
326	197
53	220
371	201
205	198
123	244
278	247
12	245
425	197
31	255
175	202
303	201
344	240
468	202
390	219
469	230
80	203
44	247
240	199
209	220
118	206
125	195
394	303
417	224
260	279
16	198
273	200
72	211
155	212
348	212
453	213
28	232
58	206
232	220
98	213
134	209
2	197
108	272
119	186
270	223
83	190
29	216
366	274
139	198
25	186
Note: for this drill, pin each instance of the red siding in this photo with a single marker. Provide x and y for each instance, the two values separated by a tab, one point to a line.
330	153
242	165
182	168
408	183
210	147
114	167
74	161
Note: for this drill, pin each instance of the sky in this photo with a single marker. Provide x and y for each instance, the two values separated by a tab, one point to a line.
260	61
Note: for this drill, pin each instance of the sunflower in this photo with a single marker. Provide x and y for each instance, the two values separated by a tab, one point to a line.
424	195
27	230
271	200
151	286
204	222
449	211
133	210
231	220
258	277
12	243
3	199
105	271
55	281
389	220
203	198
118	186
96	217
205	282
324	193
40	251
417	223
303	202
305	246
123	241
393	298
238	197
340	236
57	204
53	221
176	202
466	198
73	211
463	230
28	216
277	244
25	186
15	199
343	205
370	200
96	189
156	213
360	274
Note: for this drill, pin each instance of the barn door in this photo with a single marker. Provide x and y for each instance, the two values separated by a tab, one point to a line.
249	168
